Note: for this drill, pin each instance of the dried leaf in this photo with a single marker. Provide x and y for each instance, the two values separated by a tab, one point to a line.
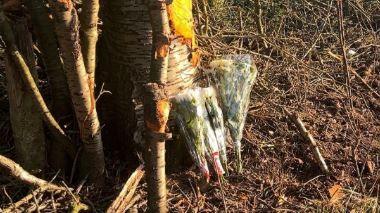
336	193
181	18
182	25
370	166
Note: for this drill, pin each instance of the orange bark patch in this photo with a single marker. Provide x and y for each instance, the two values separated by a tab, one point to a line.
195	58
158	124
162	50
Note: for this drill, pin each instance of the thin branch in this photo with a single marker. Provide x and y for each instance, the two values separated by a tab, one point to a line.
342	39
13	169
309	138
365	84
258	19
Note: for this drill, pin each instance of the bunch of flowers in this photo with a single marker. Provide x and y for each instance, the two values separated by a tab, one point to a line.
196	125
202	122
234	76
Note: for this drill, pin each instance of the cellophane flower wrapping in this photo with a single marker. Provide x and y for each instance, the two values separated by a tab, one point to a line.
197	127
188	113
234	76
215	117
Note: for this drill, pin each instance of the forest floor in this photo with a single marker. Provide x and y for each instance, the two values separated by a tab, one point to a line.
300	67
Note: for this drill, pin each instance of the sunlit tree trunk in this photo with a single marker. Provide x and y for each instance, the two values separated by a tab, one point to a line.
66	24
89	37
61	105
157	106
26	122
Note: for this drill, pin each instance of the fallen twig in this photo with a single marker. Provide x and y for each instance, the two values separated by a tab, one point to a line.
124	199
13	169
342	39
307	136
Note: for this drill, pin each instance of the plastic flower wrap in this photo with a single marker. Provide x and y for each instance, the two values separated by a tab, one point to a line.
189	117
234	76
212	146
215	116
196	110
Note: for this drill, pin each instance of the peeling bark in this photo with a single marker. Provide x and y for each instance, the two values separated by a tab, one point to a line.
66	25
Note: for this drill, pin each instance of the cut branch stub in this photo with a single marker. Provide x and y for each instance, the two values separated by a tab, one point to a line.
309	138
156	107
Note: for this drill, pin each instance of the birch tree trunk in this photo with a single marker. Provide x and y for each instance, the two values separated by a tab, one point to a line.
61	105
66	25
89	37
27	126
125	51
47	42
126	45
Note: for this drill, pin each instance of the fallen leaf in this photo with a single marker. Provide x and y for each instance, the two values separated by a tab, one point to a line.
370	166
336	193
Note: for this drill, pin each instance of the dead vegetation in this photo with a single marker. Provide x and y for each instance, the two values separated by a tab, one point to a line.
301	67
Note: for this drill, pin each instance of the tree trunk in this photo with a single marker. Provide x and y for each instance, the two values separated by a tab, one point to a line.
89	37
156	114
92	160
157	106
47	42
61	105
124	67
26	122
